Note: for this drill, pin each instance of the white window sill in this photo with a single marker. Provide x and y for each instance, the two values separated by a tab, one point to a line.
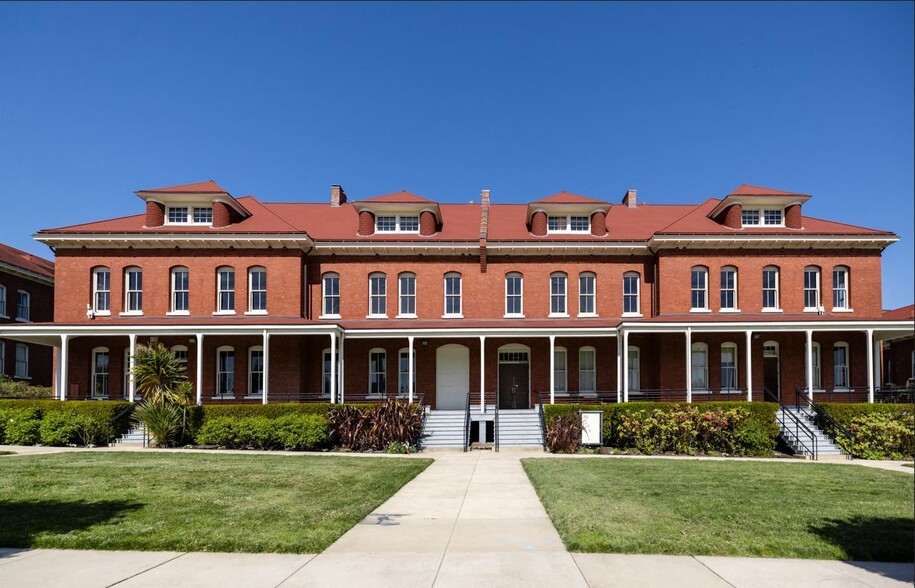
178	313
406	316
452	316
22	320
376	316
771	310
18	377
729	310
843	310
329	316
700	310
632	315
513	316
730	391
223	397
100	313
811	309
701	391
256	313
558	315
253	396
588	315
98	397
131	313
224	313
3	316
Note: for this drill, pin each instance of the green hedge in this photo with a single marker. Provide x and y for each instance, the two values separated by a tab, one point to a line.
756	433
198	415
290	431
879	431
81	422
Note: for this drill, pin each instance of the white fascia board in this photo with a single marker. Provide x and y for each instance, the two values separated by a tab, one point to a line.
27	274
164	330
547	246
214	240
475	332
364	247
747	240
759	326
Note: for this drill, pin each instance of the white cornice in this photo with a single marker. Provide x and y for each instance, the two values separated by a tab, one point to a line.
169	240
746	240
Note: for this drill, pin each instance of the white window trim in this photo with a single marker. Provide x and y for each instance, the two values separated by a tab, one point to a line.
2	357
325	276
520	277
95	352
127	291
96	291
400	296
5	301
819	300
817	366
251	271
694	348
28	306
848	385
27	362
175	348
251	351
216	393
220	270
848	308
699	309
564	368
325	389
397	223
404	351
736	308
638	294
593	276
736	388
172	311
460	295
384	392
568	230
634	366
384	296
593	350
762	217
565	295
778	296
190	215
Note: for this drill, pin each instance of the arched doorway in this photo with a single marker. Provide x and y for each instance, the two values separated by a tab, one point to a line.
452	377
514	376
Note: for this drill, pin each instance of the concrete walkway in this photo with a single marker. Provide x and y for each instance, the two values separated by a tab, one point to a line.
470	519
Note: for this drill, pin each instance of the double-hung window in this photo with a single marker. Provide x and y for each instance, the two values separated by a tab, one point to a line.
728	288
257	290
133	290
586	295
840	288
587	370
2	357
189	215
634	368
225	290
403	382
22	360
180	291
256	371
699	361
568	224
631	294
377	371
699	288
100	362
23	304
397	224
3	301
330	305
811	288
558	294
560	371
816	365
729	366
225	371
840	365
453	294
378	295
406	285
101	290
770	288
514	294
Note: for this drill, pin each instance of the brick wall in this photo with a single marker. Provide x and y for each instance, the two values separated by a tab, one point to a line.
41	310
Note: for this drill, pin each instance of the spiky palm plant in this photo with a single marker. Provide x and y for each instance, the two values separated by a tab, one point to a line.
157	373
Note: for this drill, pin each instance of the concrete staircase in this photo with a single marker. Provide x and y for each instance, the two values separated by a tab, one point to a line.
134	436
444	430
826	448
520	428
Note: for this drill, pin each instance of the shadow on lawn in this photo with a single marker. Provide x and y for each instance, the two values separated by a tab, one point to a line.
22	522
870	538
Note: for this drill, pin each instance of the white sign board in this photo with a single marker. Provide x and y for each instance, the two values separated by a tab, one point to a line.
592	427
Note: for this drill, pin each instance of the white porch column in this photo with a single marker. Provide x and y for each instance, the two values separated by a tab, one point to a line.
749	366
342	362
689	364
619	369
625	370
410	369
552	369
482	373
333	368
132	385
810	364
64	348
266	365
199	369
870	365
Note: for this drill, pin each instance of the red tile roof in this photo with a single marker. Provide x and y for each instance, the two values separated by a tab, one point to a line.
906	313
748	190
26	261
399	197
209	187
568	198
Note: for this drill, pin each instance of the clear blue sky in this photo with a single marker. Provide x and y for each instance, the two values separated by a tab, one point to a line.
680	101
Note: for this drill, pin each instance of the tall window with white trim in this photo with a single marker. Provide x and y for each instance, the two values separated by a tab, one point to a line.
729	288
406	286
452	294
378	295
634	368
133	290
3	301
403	381
101	290
729	373
514	294
811	288
699	359
100	362
257	290
558	294
560	371
816	365
180	290
377	372
225	371
331	295
325	369
225	290
22	360
587	304
2	357
840	287
23	305
256	371
699	288
631	293
587	369
770	288
840	365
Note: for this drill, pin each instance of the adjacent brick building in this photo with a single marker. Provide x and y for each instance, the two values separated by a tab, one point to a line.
565	297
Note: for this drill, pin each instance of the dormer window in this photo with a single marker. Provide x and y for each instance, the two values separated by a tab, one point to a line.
190	215
568	224
397	224
770	217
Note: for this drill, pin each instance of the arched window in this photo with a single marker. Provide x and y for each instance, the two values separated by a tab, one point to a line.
180	353
699	288
101	291
100	363
133	290
453	294
840	365
840	288
729	372
378	295
257	290
699	359
180	291
587	298
256	371
225	371
406	286
631	294
558	294
729	288
225	290
633	360
403	381
514	294
560	371
377	372
330	295
770	288
811	288
587	369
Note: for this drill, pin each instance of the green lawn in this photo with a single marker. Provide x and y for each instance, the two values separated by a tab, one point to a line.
731	508
191	501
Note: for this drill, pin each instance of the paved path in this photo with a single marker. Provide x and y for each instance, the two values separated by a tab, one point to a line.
468	520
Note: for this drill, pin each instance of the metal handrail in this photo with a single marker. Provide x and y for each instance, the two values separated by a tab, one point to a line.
114	419
824	418
495	426
542	419
467	424
799	426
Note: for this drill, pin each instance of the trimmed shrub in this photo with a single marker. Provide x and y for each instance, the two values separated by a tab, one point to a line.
879	431
10	388
22	426
100	411
298	432
59	428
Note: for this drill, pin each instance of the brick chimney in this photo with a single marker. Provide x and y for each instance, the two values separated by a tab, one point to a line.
155	213
337	195
629	199
793	216
484	228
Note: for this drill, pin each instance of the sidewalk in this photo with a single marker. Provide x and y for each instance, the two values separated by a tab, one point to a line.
470	519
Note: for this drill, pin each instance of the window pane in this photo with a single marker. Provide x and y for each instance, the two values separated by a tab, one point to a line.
203	215
409	223
580	223
557	223
177	214
750	217
772	217
386	223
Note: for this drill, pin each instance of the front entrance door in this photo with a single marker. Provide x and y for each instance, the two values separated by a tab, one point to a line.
514	388
452	377
770	368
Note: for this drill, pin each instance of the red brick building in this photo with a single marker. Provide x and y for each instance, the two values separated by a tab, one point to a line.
899	352
400	295
26	296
